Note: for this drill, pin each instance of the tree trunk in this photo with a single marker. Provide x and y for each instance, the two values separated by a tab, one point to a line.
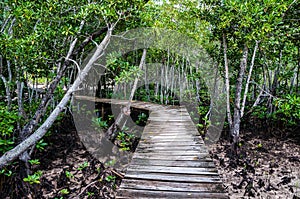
7	90
227	84
145	69
42	130
298	72
248	79
6	82
30	126
235	131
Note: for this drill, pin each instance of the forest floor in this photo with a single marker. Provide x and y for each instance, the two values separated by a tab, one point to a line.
268	167
69	166
68	171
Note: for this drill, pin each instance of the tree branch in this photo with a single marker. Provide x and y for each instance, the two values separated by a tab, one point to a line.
248	79
41	131
30	126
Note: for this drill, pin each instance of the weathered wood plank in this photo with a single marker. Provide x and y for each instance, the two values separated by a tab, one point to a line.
170	148
204	178
177	170
172	153
174	186
168	133
171	157
172	170
178	139
175	142
161	125
170	136
130	193
182	163
168	151
179	130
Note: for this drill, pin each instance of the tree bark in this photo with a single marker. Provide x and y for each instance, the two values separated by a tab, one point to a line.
30	126
6	82
145	69
227	84
248	78
7	90
298	71
235	131
41	131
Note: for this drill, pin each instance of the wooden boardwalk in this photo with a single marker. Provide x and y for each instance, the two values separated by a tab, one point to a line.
171	160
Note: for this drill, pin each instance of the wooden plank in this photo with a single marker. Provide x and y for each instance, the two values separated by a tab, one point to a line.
203	178
163	155
167	139
168	151
171	148
174	136
170	136
169	133
171	139
169	145
175	142
158	129
163	132
177	170
182	163
164	145
161	124
130	193
169	128
173	186
174	172
171	157
171	153
179	121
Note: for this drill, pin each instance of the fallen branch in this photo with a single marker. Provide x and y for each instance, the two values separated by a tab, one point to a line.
121	175
85	188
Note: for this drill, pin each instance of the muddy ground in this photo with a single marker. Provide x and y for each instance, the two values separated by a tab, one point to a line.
267	167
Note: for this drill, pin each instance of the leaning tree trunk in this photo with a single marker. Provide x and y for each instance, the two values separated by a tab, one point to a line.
42	130
113	129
